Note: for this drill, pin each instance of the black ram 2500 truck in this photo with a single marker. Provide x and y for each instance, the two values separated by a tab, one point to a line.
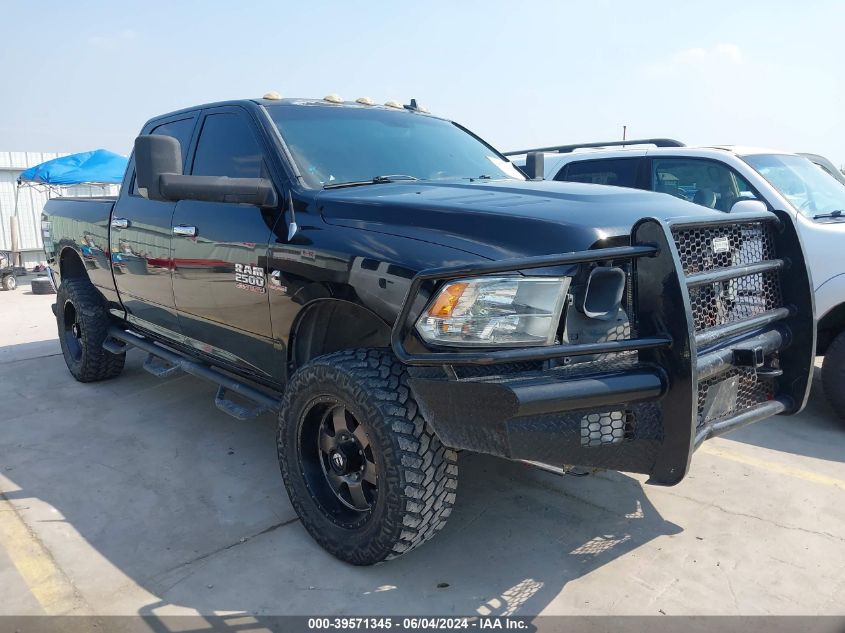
398	292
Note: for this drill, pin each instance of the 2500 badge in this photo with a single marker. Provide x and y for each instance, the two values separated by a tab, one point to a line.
249	278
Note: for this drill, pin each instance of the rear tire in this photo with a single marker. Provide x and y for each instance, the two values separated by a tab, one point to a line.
10	282
83	321
393	483
42	286
833	374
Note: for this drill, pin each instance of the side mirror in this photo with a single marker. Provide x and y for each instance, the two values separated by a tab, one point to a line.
748	206
158	172
156	154
534	165
259	192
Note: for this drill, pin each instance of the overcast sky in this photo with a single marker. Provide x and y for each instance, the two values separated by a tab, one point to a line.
82	75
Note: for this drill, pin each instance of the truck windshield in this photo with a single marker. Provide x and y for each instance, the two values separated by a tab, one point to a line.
809	189
337	145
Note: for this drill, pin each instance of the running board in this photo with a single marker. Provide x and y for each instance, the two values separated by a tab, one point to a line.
163	362
159	367
115	347
237	411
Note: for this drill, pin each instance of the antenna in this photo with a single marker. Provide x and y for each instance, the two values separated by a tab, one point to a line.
292	225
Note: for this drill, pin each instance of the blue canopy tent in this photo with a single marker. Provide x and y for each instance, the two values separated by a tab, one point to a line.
99	167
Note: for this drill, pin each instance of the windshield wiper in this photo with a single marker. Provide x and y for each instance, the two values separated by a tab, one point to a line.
832	214
393	177
474	178
376	180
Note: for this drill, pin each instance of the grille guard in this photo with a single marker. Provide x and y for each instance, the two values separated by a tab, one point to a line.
651	399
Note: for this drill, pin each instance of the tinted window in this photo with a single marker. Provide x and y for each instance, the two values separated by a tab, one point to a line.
227	147
180	129
705	182
621	172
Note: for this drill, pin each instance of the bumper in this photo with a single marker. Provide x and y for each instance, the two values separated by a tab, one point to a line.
645	403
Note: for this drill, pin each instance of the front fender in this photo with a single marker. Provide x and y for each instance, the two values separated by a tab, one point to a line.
830	295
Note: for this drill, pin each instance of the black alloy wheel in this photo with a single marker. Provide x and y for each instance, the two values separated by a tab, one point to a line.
334	440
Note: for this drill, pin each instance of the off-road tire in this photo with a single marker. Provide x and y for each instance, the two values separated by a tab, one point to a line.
418	476
90	362
41	286
833	374
9	282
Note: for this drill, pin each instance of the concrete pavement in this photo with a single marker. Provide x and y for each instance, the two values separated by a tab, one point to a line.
136	496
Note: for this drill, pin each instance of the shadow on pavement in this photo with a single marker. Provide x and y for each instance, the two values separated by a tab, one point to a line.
188	504
817	432
27	351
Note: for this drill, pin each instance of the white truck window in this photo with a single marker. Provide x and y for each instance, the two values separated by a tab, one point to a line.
706	182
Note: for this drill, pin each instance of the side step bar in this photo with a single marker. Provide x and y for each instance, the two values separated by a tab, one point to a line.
173	362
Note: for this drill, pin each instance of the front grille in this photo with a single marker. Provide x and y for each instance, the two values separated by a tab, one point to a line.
704	249
730	393
708	248
747	243
610	427
735	300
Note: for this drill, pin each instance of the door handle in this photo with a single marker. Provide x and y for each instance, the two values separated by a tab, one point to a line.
185	231
119	223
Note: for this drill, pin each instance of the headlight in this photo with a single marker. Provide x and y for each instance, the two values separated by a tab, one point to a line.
495	312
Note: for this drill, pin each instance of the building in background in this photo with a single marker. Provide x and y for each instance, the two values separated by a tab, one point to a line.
31	200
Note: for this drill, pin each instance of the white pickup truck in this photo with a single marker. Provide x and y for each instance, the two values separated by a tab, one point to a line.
726	178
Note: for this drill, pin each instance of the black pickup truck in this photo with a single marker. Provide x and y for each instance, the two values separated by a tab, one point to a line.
398	291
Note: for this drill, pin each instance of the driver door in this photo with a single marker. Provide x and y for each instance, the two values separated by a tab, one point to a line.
220	252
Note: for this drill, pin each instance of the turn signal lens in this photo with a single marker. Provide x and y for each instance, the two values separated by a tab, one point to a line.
447	300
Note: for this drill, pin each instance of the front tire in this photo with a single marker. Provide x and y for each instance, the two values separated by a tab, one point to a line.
10	282
833	374
83	321
368	477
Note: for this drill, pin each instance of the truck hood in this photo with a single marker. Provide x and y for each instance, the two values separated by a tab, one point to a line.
500	219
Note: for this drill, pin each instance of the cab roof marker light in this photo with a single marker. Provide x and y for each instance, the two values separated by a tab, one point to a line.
393	104
333	98
364	101
272	95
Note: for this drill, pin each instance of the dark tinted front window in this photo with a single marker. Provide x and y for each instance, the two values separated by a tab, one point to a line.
181	130
334	145
621	172
227	147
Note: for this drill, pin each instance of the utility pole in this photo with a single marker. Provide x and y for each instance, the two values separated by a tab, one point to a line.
624	132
